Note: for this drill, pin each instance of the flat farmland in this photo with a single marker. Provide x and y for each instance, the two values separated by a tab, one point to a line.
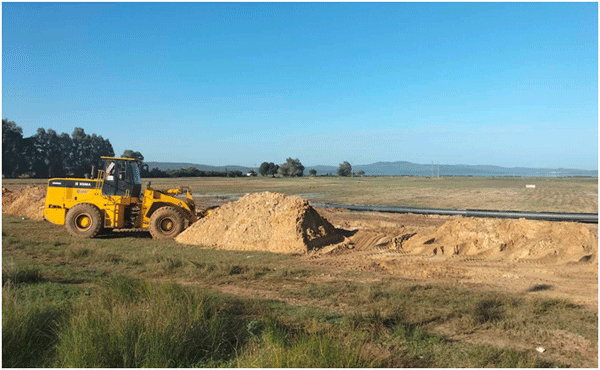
502	193
550	194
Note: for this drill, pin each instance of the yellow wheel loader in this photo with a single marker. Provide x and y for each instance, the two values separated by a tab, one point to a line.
114	200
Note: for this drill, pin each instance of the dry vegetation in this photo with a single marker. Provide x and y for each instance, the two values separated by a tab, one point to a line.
550	194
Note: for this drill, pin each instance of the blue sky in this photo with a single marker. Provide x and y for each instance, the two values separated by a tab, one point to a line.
508	84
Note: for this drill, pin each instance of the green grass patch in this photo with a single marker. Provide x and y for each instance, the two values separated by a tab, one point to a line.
279	345
26	275
132	323
31	317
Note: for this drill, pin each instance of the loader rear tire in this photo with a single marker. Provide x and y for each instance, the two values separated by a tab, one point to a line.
84	220
166	223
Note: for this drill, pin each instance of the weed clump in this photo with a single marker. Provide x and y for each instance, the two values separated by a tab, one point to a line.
22	276
132	323
279	345
489	310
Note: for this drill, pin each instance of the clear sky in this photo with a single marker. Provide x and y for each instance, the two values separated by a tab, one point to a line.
508	84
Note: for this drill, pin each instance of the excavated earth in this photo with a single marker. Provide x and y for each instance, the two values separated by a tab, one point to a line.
263	221
28	201
537	258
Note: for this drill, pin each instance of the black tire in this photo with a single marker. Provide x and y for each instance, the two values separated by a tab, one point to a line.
84	220
105	231
166	223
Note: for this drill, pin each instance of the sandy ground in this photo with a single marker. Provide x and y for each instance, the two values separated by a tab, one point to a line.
575	280
551	260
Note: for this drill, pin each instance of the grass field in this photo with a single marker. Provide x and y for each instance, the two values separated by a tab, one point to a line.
130	301
502	193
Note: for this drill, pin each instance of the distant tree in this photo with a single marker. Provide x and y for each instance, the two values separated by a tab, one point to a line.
231	173
137	155
131	154
312	172
345	169
263	168
189	172
13	149
252	173
47	154
155	172
361	173
51	153
87	151
268	169
273	169
291	168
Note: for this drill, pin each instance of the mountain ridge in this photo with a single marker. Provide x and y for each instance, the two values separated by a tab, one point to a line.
403	168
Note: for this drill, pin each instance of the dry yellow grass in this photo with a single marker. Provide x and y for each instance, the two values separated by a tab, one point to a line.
550	194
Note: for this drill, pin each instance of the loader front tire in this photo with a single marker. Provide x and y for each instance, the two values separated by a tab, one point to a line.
84	220
166	223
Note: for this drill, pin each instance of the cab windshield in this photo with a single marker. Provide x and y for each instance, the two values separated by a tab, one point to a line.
136	173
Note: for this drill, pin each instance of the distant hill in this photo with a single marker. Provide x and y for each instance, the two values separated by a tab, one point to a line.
403	168
202	167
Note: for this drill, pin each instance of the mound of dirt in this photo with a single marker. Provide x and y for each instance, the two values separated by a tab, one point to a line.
263	221
28	202
501	239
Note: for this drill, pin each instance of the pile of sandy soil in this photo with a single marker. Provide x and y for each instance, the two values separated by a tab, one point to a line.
28	202
501	239
263	221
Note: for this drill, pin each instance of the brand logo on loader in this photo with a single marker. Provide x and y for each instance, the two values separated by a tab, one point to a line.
82	184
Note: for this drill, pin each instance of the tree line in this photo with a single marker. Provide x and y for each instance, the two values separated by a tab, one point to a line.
48	154
190	172
180	172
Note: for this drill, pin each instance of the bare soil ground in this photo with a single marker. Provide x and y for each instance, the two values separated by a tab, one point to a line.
532	258
574	278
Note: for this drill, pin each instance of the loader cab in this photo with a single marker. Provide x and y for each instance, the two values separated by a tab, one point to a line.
121	177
